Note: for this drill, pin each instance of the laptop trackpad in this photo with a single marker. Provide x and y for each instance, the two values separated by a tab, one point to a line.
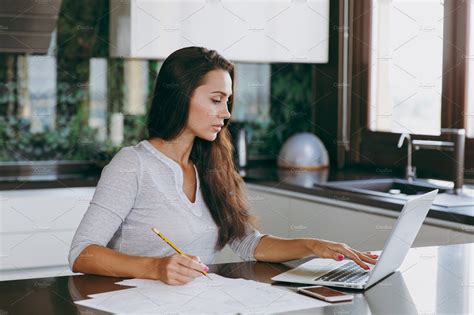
316	267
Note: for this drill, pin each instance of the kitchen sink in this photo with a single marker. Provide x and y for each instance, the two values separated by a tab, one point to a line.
386	187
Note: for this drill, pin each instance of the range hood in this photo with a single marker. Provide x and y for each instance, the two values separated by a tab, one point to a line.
26	26
246	31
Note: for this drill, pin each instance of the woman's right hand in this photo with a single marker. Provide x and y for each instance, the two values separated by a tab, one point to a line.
177	269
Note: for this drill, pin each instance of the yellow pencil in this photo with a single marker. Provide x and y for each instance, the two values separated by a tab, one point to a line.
170	243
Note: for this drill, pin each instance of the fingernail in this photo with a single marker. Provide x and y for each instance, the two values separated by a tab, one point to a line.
206	269
366	267
340	257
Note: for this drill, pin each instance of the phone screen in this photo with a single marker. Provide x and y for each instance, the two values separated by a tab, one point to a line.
325	291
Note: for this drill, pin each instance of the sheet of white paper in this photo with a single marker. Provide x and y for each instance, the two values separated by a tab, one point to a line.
219	295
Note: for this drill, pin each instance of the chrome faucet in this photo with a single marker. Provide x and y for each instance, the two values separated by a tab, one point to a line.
456	146
410	171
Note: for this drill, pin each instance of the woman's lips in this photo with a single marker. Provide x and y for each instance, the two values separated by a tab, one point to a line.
217	127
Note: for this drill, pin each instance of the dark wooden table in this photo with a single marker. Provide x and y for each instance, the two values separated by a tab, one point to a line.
431	280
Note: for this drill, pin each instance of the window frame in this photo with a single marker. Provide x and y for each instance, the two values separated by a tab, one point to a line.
379	149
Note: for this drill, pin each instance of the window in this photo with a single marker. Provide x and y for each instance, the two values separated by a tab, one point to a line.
111	104
407	57
252	90
98	97
251	109
412	71
469	113
37	91
136	86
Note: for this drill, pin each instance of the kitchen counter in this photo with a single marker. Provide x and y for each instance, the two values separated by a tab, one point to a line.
431	280
272	178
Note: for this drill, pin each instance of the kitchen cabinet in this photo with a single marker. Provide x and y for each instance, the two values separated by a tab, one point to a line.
38	225
37	228
243	31
296	216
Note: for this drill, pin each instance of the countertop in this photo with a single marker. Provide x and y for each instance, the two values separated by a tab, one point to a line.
272	177
431	280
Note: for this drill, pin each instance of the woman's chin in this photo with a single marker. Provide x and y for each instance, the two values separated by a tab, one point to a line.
208	136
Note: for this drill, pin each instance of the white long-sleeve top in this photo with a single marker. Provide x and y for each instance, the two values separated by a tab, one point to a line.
139	189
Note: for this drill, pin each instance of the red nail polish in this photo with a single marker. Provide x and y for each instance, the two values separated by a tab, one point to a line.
340	257
206	269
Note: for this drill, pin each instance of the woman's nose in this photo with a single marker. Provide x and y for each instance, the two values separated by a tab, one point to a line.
225	114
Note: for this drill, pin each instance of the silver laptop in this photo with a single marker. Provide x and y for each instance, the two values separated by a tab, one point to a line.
346	273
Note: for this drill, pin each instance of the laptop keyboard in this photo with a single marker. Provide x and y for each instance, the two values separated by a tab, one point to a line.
349	272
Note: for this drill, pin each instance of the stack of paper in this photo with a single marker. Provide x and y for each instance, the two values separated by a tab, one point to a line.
202	295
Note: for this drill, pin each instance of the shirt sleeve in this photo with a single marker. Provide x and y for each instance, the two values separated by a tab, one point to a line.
113	199
245	246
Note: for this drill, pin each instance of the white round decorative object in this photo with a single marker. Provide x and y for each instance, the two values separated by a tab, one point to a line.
303	160
303	151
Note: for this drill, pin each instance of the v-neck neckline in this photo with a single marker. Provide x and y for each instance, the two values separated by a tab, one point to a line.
179	174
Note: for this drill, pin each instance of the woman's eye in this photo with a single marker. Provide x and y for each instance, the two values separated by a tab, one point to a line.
216	101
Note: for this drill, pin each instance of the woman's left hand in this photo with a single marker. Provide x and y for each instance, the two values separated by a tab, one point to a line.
337	251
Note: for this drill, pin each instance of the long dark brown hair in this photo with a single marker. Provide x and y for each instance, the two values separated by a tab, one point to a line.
221	185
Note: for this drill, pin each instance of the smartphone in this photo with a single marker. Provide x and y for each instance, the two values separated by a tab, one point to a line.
325	294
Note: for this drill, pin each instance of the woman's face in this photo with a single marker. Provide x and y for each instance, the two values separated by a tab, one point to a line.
208	105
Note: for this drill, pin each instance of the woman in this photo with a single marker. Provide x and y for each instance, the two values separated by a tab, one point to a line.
182	180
